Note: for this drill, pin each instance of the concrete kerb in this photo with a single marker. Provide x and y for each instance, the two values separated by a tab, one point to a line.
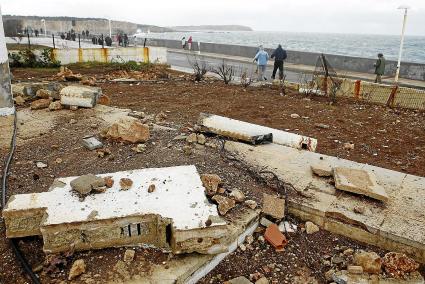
381	225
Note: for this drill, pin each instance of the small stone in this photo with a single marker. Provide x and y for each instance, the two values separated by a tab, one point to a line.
151	188
348	146
201	139
58	161
211	183
72	121
321	125
262	280
237	195
129	255
19	100
398	264
295	115
311	228
348	252
239	280
78	268
337	260
73	108
160	117
359	209
261	239
329	275
41	165
126	183
192	138
104	100
249	239
128	129
40	104
187	150
109	182
370	261
242	247
55	106
287	227
140	148
251	204
224	204
221	190
355	269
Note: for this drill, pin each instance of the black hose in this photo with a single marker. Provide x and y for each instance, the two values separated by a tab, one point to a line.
13	242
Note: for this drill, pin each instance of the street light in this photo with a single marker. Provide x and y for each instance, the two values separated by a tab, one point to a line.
397	73
44	24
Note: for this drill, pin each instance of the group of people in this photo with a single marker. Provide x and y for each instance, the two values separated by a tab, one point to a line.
187	43
279	55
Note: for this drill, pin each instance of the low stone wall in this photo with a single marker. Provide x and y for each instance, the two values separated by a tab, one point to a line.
138	54
414	71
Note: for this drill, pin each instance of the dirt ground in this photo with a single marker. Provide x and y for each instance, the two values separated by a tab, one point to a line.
392	139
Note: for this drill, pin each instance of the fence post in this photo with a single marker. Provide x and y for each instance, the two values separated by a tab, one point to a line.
325	82
29	42
103	42
357	89
391	99
144	43
79	41
53	37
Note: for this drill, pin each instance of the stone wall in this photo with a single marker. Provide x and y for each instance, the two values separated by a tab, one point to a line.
414	71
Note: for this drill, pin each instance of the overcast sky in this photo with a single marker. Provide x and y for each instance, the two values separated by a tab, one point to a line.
328	16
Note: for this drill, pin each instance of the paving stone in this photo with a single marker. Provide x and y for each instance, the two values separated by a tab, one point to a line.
273	206
92	143
359	182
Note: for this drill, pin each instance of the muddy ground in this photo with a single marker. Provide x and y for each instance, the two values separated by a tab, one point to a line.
392	139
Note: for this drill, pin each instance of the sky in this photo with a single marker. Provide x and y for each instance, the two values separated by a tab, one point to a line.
327	16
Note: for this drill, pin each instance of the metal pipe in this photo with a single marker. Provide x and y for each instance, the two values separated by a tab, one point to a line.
397	73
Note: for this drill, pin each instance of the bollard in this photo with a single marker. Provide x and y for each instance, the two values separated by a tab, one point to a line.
357	89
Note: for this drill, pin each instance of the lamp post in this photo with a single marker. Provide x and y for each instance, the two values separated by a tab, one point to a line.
110	29
44	24
397	73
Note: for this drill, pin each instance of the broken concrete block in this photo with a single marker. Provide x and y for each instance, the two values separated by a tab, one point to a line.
211	183
273	206
311	228
252	133
82	96
370	261
322	169
85	184
128	129
40	104
173	218
19	100
224	203
78	268
359	182
92	143
275	237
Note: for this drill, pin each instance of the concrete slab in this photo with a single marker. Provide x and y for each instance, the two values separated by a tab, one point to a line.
173	217
397	225
248	132
82	96
359	182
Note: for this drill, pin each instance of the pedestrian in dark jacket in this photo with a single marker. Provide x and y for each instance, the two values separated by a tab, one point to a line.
279	56
379	68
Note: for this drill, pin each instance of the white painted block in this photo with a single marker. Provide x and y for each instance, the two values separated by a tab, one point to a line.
82	96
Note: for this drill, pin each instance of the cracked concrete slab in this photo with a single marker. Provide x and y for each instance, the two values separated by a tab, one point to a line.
396	225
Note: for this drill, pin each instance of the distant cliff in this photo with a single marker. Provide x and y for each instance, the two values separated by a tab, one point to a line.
213	28
56	25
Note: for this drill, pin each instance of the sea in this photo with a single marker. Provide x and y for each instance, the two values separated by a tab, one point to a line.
359	45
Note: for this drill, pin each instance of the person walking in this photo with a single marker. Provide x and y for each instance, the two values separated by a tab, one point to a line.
279	55
261	57
189	43
184	42
379	68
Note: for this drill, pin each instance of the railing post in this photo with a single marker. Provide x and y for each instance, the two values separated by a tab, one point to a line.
29	42
79	41
103	42
53	37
